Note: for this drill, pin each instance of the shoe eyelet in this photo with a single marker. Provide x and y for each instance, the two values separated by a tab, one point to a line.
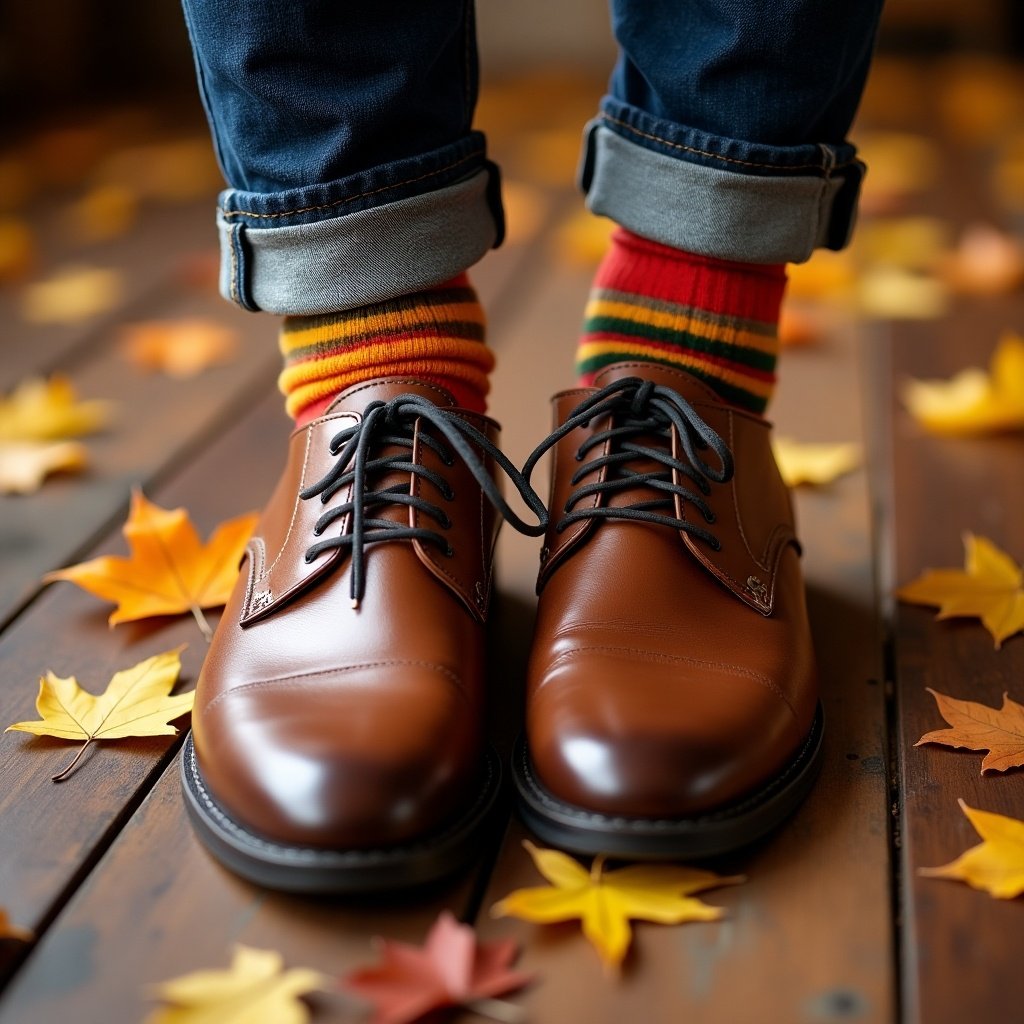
449	552
710	517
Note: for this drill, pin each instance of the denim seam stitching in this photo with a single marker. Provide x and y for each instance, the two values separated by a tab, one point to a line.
718	156
352	199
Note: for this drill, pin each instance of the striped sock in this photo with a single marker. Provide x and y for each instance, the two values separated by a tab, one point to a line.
436	335
715	319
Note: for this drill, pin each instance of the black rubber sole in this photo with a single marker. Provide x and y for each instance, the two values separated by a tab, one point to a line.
728	829
307	870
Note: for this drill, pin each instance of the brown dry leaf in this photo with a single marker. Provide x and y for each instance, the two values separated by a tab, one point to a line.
583	239
136	702
996	865
1000	731
605	902
64	157
449	970
11	931
17	250
169	570
47	410
990	587
974	401
71	294
103	213
179	348
24	465
985	262
255	989
892	293
814	464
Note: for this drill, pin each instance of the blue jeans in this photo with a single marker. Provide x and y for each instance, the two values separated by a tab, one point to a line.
344	130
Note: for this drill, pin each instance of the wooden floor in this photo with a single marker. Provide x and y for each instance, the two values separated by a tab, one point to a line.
834	923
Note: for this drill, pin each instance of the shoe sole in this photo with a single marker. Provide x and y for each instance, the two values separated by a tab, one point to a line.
301	869
731	828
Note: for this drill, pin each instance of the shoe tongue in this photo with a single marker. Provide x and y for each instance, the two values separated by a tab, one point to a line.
359	396
692	389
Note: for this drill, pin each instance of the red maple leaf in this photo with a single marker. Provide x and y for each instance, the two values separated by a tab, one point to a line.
449	969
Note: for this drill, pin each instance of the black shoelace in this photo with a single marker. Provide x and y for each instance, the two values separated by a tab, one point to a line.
390	424
637	408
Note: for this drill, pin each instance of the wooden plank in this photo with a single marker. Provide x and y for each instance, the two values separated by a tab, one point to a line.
959	963
809	937
51	834
158	421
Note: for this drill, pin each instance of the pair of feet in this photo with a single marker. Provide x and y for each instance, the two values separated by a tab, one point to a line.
338	740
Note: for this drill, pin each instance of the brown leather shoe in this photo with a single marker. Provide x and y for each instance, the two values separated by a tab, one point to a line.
672	702
337	733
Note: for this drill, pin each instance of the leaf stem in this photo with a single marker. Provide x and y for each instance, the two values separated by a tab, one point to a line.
204	626
61	776
497	1009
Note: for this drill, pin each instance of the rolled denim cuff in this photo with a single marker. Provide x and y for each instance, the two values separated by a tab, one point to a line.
323	261
720	197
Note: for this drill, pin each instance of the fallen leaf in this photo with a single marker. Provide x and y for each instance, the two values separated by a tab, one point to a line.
199	269
71	294
449	970
996	865
136	702
892	293
47	410
11	931
799	326
974	401
606	902
829	276
179	348
985	262
978	98
253	990
814	463
65	156
17	249
1000	731
103	213
169	569
901	165
176	171
24	465
990	587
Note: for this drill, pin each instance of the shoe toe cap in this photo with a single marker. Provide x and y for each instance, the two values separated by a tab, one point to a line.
645	735
357	760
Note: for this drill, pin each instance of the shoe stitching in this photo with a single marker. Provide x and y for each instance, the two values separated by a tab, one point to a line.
717	156
298	678
736	670
352	199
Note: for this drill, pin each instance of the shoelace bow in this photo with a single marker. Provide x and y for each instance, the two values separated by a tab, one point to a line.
638	407
391	424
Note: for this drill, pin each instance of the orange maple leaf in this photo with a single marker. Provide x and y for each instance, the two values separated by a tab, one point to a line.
169	570
1000	731
179	348
989	587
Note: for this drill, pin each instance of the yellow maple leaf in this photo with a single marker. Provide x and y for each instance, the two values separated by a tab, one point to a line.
24	465
989	587
48	410
996	865
973	401
179	348
169	570
12	931
136	702
889	292
72	294
814	463
254	989
606	902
